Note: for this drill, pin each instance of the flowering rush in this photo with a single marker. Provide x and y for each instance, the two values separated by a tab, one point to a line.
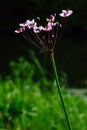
44	37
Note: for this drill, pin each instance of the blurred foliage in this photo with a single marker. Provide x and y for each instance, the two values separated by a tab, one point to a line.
30	103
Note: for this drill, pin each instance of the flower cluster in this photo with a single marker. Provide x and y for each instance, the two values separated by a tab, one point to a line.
43	37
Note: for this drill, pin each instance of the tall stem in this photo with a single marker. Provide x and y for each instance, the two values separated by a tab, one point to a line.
60	92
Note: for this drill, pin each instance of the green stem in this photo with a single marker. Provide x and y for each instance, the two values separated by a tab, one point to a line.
60	92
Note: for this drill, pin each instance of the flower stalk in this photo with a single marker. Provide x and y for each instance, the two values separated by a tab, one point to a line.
59	91
44	37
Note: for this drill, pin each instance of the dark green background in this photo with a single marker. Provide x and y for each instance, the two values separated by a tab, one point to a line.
70	53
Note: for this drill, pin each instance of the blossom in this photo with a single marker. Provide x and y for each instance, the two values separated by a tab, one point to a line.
52	18
37	29
48	27
20	30
28	24
66	13
44	37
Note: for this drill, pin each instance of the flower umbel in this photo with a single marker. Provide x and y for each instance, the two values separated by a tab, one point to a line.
45	39
42	37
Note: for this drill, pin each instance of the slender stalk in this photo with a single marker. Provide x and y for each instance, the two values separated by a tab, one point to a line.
60	92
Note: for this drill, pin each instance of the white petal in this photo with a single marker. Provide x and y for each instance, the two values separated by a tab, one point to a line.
64	11
16	31
62	14
22	24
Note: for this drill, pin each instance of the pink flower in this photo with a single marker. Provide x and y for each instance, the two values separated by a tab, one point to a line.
51	19
66	13
54	24
20	30
48	27
51	23
42	37
28	24
37	29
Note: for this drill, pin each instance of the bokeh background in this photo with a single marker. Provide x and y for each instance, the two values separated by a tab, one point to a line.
70	53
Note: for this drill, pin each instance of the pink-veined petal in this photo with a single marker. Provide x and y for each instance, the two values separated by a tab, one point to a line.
27	23
48	27
20	30
66	13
